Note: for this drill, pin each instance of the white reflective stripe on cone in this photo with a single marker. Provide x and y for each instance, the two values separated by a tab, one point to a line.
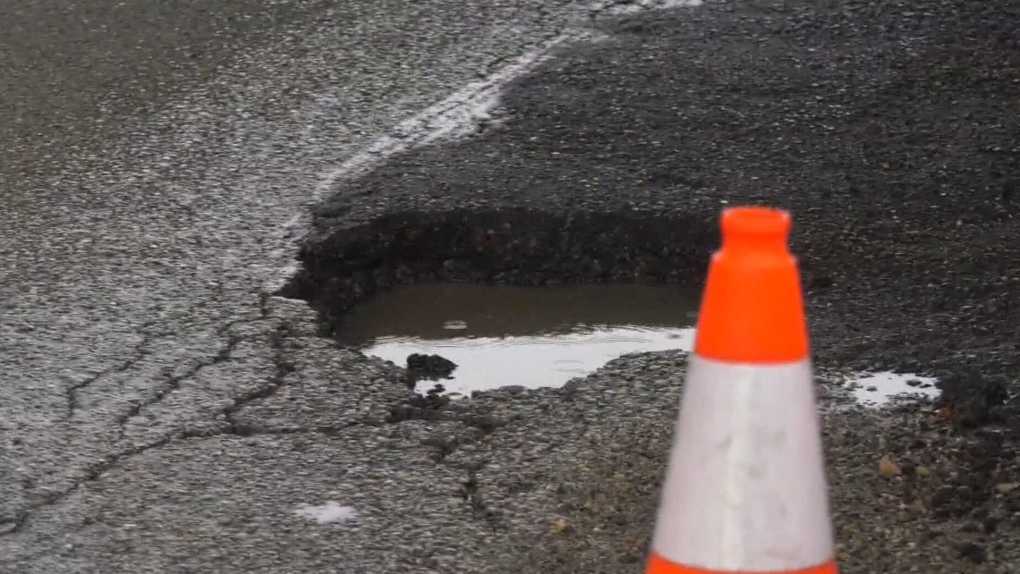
745	487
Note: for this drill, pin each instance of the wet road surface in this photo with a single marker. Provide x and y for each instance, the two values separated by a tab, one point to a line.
156	162
162	412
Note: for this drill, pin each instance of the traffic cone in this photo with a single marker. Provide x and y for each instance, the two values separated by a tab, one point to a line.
745	489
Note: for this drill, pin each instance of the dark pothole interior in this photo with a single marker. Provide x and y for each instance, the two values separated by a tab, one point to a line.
350	263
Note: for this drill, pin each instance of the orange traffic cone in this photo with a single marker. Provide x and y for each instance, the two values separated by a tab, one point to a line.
745	491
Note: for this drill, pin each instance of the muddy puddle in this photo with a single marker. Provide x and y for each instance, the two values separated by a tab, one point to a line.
542	337
533	337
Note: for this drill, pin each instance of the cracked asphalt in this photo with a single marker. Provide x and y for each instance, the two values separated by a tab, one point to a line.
163	411
157	162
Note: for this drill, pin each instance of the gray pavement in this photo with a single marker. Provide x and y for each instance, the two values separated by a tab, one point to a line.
163	412
157	163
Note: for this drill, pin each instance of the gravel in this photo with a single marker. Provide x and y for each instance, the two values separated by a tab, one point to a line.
891	131
512	480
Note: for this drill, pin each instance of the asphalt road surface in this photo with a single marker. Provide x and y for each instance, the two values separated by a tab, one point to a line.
163	412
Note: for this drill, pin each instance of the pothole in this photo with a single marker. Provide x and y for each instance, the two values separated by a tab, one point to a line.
500	336
349	263
521	297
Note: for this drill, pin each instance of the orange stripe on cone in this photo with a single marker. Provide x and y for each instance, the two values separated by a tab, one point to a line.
745	491
659	565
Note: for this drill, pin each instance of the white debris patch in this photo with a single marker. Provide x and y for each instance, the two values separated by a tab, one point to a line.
329	513
877	389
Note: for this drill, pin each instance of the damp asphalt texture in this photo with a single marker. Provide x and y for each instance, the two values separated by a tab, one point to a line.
163	412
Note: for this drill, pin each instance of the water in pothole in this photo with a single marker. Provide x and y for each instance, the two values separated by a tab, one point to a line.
542	337
533	337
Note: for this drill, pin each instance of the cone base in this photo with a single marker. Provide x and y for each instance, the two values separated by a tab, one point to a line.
658	565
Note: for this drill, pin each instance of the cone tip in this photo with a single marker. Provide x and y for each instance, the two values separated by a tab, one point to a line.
752	309
762	226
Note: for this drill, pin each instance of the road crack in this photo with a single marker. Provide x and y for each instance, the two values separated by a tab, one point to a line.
283	367
139	353
95	471
173	383
470	491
